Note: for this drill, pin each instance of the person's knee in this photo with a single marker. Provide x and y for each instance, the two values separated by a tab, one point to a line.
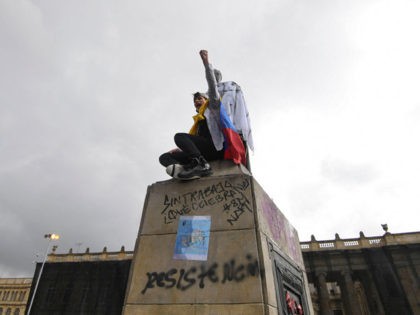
162	159
165	159
180	137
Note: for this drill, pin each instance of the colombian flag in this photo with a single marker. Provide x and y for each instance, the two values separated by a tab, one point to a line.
234	147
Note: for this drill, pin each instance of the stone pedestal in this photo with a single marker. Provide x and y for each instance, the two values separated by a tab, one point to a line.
253	262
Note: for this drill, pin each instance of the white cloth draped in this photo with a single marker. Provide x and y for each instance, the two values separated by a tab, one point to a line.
235	106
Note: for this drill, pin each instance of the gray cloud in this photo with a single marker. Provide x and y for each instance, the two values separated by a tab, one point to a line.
92	92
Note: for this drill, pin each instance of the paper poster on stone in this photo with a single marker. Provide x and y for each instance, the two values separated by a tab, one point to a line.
192	239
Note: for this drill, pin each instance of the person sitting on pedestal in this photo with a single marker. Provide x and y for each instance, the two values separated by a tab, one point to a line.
212	136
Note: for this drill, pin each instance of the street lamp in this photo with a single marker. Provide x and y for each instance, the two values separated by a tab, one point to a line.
50	237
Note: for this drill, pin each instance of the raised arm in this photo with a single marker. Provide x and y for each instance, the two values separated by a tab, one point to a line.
214	97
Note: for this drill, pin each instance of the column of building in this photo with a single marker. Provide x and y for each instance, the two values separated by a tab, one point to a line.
323	295
374	300
350	301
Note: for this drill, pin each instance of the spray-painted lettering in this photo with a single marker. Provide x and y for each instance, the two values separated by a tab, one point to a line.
183	279
231	197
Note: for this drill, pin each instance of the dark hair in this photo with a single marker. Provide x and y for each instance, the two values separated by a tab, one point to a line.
198	94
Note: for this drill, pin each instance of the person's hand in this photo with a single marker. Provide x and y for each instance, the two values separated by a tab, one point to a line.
204	56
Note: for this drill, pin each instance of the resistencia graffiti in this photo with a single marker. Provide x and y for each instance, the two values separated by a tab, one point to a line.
230	195
183	279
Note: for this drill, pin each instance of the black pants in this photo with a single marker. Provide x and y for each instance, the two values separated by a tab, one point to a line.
191	147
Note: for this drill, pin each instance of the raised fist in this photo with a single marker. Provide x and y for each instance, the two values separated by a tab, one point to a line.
204	56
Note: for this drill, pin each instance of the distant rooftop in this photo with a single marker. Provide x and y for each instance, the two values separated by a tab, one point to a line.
88	256
387	239
15	281
337	243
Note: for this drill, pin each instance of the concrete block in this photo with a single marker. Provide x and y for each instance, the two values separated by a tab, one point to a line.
273	223
230	275
270	277
239	275
228	199
272	310
196	309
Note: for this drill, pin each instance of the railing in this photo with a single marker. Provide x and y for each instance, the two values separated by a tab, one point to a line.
361	242
16	281
326	245
87	256
353	243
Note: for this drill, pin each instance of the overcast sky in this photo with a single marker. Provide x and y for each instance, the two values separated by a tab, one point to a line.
91	93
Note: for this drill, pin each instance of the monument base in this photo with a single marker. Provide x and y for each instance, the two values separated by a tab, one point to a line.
216	245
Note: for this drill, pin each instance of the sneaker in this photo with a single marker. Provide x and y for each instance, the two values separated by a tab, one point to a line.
198	167
174	169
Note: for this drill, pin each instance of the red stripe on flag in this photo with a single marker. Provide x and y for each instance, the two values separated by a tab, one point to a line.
235	149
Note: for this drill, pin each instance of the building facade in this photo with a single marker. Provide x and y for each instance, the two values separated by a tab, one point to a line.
14	293
88	283
365	275
358	276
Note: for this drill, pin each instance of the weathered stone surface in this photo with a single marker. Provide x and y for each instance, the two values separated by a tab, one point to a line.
239	275
227	199
275	225
197	309
269	275
203	281
272	310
